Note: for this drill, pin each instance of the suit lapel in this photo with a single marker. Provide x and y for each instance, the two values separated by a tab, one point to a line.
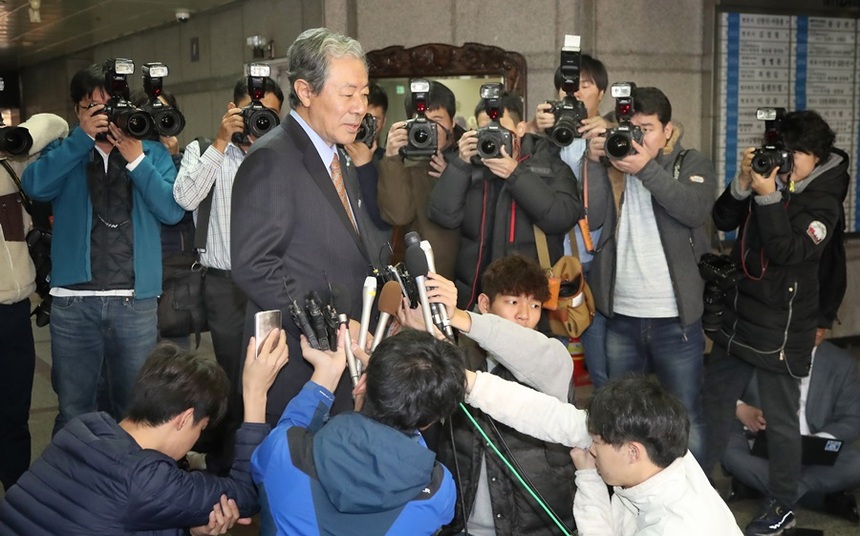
320	174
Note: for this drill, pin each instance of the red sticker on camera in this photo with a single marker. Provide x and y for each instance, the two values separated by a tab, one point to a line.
817	232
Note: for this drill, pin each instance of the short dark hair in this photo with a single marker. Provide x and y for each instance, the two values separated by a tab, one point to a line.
806	131
438	97
652	101
270	86
140	98
589	68
515	275
86	81
511	104
414	380
377	97
637	408
173	380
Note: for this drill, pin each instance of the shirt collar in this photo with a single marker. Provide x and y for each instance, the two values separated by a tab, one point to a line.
325	150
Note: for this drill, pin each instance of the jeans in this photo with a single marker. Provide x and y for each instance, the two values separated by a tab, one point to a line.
18	359
87	331
594	346
674	353
726	379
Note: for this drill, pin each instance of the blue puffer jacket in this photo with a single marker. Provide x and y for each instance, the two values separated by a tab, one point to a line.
94	479
60	176
351	476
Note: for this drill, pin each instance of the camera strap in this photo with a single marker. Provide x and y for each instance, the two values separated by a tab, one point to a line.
25	199
205	208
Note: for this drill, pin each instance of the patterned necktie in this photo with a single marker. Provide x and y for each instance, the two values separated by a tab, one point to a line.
337	180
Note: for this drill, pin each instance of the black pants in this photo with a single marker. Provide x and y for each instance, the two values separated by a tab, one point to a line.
225	312
726	378
18	359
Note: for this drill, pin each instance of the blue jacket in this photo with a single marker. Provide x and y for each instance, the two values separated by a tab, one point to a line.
353	476
60	176
95	479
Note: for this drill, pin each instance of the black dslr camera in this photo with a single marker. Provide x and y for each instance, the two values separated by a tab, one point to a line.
773	153
366	130
619	140
14	140
720	274
168	120
128	117
494	136
420	131
259	120
570	111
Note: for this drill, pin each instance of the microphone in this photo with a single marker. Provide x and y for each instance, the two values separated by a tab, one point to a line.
439	311
416	264
368	293
389	303
343	319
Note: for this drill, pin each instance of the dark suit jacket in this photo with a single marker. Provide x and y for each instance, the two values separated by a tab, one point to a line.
290	235
833	401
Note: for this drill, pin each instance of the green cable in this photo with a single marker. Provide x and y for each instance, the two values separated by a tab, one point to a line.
510	467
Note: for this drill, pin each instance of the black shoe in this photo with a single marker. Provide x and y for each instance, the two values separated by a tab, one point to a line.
842	504
742	492
772	520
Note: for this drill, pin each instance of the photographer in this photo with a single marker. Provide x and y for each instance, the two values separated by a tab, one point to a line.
110	192
367	157
405	183
644	274
496	202
785	222
206	179
17	284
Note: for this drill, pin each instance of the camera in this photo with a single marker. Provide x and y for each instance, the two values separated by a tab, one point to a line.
120	111
168	121
569	111
773	153
619	140
39	246
494	136
420	131
366	130
720	274
14	140
259	120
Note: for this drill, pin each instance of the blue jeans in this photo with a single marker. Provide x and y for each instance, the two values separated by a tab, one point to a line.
87	331
674	353
594	348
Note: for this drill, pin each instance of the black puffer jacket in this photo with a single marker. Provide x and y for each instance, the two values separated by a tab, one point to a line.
772	314
496	216
546	465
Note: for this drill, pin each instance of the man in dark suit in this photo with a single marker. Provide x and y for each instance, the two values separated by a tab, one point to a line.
299	221
832	409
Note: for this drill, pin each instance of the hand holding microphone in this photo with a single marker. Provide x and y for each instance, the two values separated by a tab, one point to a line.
419	256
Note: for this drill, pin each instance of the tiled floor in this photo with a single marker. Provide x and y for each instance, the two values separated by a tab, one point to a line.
44	407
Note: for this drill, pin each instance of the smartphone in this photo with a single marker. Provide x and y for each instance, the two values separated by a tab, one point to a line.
264	323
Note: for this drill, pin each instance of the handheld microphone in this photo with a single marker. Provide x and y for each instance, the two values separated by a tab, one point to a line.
416	264
368	293
389	304
343	319
313	304
439	311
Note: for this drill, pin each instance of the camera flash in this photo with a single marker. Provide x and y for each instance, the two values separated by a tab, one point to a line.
621	90
123	66
259	69
155	70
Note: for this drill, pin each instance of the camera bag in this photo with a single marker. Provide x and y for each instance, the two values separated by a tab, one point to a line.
181	311
571	304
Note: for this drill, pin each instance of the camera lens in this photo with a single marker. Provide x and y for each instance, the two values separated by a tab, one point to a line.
489	148
618	145
420	136
15	140
136	122
262	121
169	122
562	135
362	132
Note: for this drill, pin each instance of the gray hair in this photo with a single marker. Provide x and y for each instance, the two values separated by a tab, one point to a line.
309	56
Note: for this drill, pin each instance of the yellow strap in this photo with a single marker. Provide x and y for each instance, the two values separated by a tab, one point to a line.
542	249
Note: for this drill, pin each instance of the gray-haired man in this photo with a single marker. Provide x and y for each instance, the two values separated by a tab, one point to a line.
298	218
